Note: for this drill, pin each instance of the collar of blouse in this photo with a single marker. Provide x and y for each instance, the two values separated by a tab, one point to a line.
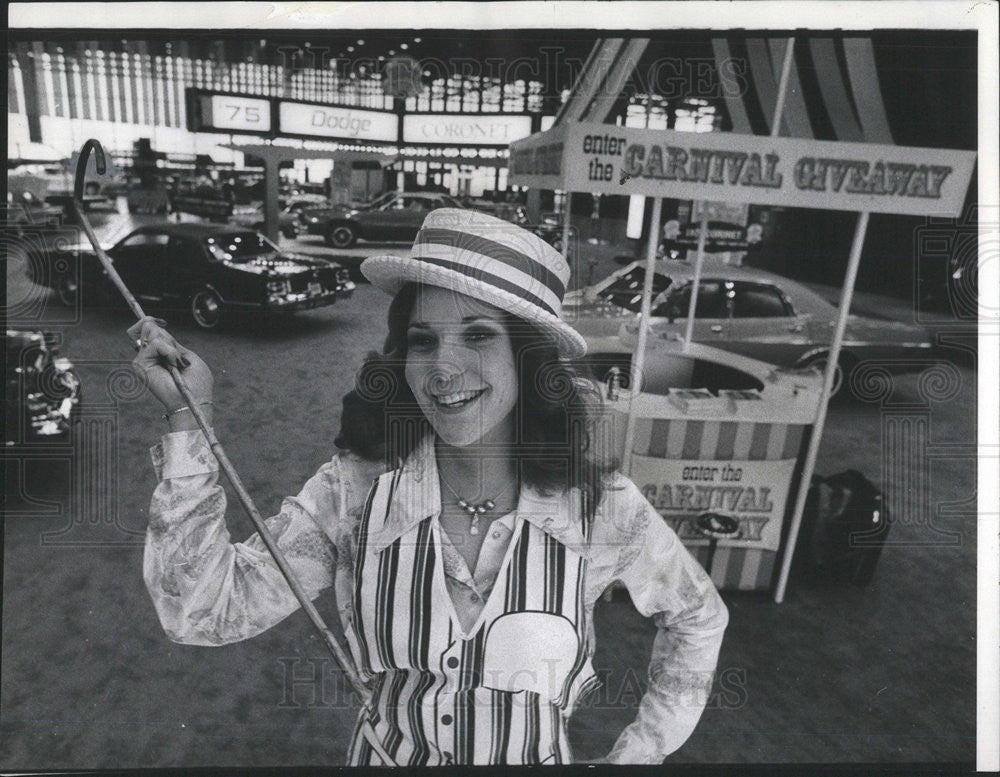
417	496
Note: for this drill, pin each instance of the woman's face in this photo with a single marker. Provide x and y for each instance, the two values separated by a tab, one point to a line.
460	367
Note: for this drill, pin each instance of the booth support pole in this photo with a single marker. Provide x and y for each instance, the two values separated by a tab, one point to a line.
846	294
271	175
779	105
696	282
567	224
639	360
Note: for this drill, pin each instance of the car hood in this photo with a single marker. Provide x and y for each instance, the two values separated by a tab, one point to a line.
285	265
592	316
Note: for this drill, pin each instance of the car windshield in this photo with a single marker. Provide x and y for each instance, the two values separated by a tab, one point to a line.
626	291
240	247
382	199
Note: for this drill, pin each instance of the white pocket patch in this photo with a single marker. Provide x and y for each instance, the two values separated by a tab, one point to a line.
529	651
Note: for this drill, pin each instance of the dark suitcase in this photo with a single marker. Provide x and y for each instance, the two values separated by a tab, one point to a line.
844	527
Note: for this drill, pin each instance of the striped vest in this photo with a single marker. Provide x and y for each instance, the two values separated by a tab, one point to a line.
500	694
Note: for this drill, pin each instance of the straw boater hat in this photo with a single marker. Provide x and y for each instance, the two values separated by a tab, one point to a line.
491	260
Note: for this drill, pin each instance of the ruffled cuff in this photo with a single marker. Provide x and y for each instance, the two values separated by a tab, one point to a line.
181	454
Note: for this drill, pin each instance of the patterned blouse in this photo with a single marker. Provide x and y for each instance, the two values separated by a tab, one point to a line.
479	666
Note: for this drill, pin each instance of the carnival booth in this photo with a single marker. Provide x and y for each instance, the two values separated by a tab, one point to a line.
703	452
725	467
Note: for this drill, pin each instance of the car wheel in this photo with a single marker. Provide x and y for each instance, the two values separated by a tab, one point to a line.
341	236
67	290
206	309
840	375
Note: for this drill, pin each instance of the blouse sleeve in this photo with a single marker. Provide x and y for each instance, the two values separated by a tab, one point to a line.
208	590
667	584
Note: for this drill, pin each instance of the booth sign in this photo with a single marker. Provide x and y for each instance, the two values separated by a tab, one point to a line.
790	172
720	236
753	492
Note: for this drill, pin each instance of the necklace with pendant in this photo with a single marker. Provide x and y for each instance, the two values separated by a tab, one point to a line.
475	509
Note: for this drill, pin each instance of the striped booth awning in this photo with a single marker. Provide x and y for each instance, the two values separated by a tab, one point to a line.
833	88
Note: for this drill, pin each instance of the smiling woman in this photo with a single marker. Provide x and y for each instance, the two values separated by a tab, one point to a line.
471	373
461	367
467	559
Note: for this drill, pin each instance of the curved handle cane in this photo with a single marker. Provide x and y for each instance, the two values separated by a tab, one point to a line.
81	217
81	165
339	653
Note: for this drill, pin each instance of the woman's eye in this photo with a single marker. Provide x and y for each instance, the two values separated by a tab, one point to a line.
419	341
480	335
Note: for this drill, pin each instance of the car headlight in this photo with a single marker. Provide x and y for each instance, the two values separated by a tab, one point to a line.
343	275
314	219
278	288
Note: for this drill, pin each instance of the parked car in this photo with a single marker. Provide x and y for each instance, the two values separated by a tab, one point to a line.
90	202
53	178
203	269
743	310
550	229
302	201
202	200
508	211
394	216
342	207
252	217
26	213
41	388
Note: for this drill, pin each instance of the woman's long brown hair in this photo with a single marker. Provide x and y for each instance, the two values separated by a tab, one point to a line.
562	432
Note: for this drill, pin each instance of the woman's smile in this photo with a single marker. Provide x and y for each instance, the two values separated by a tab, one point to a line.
458	400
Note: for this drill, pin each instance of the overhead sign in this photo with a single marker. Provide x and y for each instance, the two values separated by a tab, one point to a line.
231	113
484	130
729	226
720	236
727	166
752	492
327	121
